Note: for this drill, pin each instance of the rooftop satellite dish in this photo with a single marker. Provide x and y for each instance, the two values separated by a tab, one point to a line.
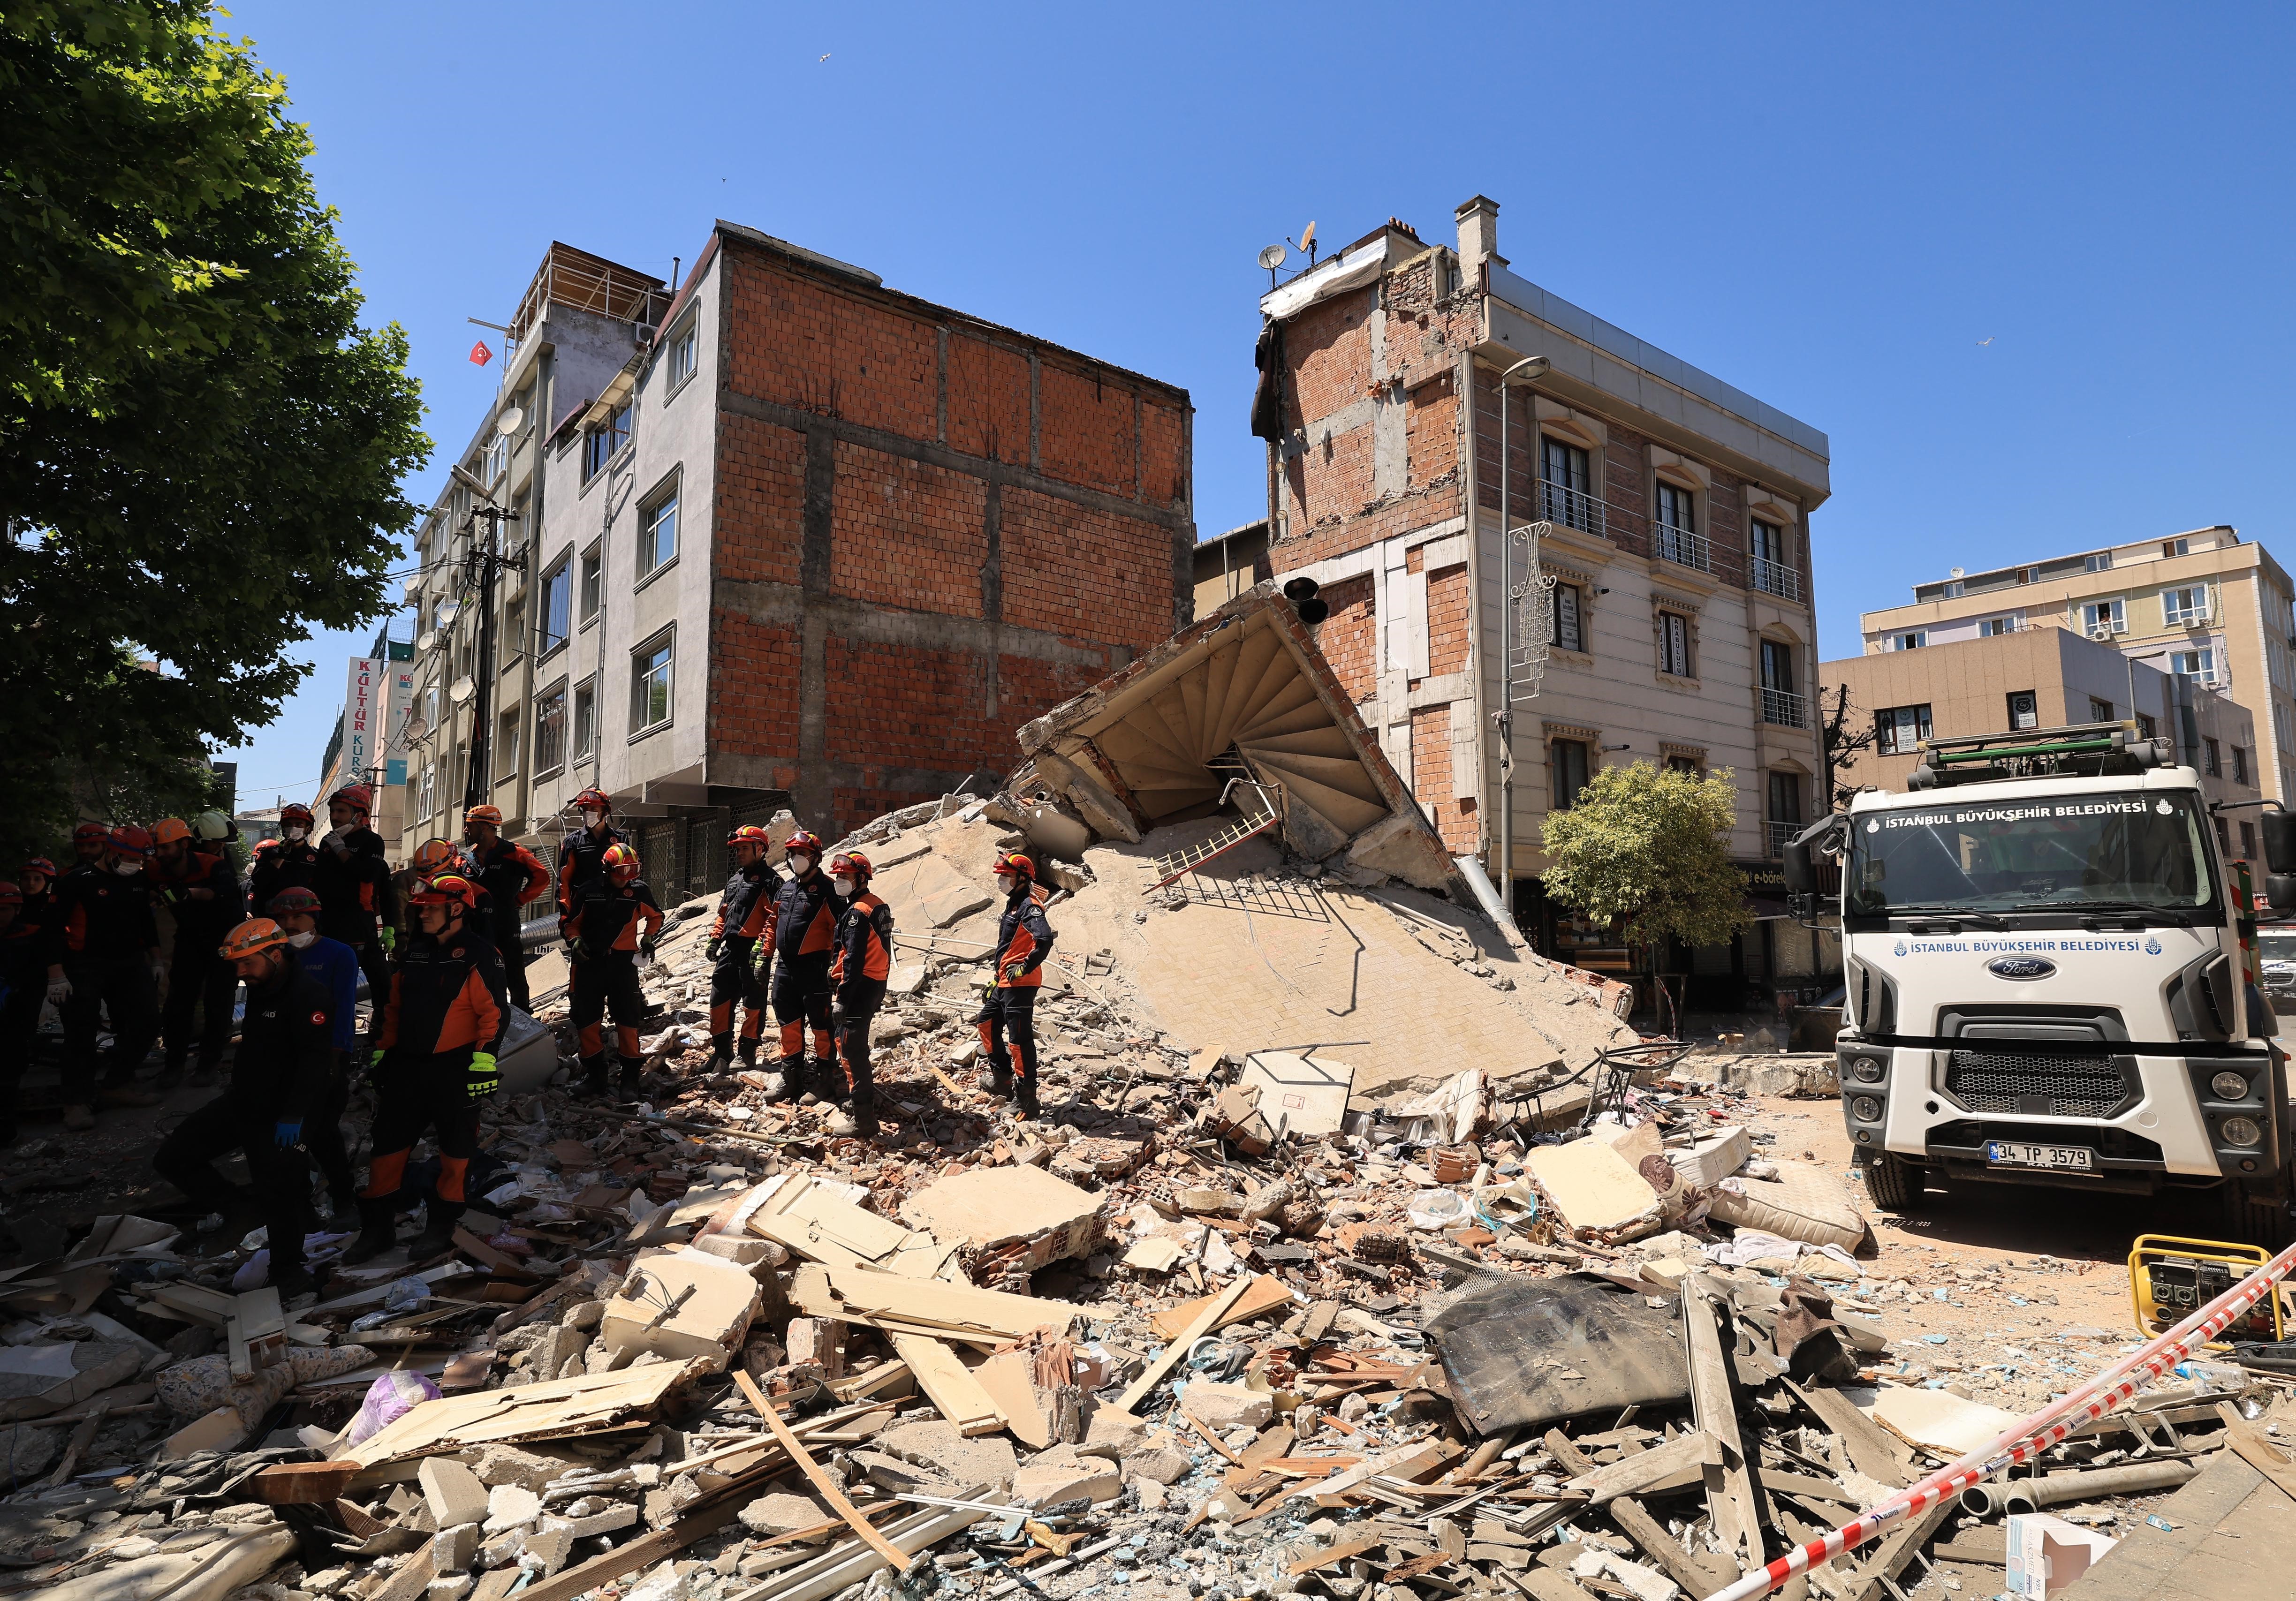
1955	574
1271	257
1308	239
510	422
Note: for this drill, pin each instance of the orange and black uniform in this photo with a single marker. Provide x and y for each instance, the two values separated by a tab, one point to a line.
355	899
511	878
446	1001
608	923
109	937
742	910
198	976
29	946
282	864
578	864
864	956
283	1072
801	932
1023	940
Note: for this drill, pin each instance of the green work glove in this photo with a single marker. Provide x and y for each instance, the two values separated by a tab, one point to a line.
389	938
645	946
374	1060
715	949
480	1080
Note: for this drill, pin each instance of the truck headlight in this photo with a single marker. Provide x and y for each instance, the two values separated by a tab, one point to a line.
2230	1086
1867	1109
1867	1070
2241	1130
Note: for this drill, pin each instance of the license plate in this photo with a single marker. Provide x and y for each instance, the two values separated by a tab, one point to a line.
2016	1153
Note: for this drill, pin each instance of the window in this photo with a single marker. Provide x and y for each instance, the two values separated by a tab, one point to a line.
2240	763
2211	759
2026	575
2186	604
684	352
1769	541
2248	839
551	618
1989	627
426	796
2099	711
601	444
2224	837
657	534
1785	809
505	754
2100	562
2201	664
1674	644
1566	484
2176	547
2024	709
586	721
1773	573
1955	589
593	575
2280	727
1567	760
1912	641
1897	728
1569	634
1674	509
549	731
2100	617
2146	728
651	667
430	708
1688	764
513	635
1777	666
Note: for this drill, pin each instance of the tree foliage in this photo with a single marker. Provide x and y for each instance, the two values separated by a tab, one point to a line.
201	449
1646	846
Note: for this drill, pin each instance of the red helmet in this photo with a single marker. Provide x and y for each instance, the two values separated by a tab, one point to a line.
447	889
748	833
594	798
1013	862
850	864
294	811
292	901
804	839
9	895
620	862
168	830
255	935
40	865
357	796
129	840
434	856
486	815
91	830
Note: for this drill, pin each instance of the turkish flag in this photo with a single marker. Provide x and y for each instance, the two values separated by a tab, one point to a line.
479	354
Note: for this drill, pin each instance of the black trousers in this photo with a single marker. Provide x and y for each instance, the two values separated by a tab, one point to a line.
853	1055
19	1026
595	982
282	1178
801	1001
322	1136
374	962
120	987
734	978
509	941
198	979
417	1094
1011	1015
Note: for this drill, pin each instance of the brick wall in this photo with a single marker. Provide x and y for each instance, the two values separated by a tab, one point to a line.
1448	602
927	531
1430	779
1348	638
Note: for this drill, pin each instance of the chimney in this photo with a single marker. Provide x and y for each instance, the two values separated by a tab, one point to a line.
1479	234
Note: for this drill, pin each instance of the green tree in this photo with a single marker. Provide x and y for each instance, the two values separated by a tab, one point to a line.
1646	847
201	449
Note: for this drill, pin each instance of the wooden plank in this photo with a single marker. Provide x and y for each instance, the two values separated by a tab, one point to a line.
1872	1451
949	1383
1265	1294
1339	1553
1729	1487
640	1553
1895	1551
1633	1474
1696	1573
830	1490
1202	1323
890	1301
488	1257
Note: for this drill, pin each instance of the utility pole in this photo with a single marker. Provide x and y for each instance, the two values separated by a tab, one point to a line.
483	567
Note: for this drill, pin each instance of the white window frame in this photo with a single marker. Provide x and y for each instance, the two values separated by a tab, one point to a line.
581	733
1994	627
2180	609
1912	639
683	354
2105	616
560	571
556	692
664	646
1569	618
1675	658
1897	729
651	518
2100	561
2203	669
590	585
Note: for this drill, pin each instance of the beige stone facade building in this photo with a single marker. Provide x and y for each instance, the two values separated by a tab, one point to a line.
2205	604
2043	676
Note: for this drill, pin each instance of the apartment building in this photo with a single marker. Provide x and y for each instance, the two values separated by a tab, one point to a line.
2204	604
778	536
1512	507
2043	675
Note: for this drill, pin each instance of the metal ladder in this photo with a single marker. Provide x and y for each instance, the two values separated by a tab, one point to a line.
1183	862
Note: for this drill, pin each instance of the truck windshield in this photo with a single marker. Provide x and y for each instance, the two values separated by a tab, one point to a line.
2031	853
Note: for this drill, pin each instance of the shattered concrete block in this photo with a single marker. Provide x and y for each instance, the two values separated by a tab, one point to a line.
453	1548
986	1459
453	1492
1160	1464
545	1550
779	1513
26	1453
895	1476
1402	847
710	1321
556	1346
1220	1407
741	1250
1101	811
1064	1474
508	1465
818	1343
1001	1208
601	1523
1111	1432
448	1587
510	1504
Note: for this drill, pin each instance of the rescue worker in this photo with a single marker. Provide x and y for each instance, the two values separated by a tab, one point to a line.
1023	940
23	990
334	964
615	920
863	960
357	904
108	967
201	888
742	911
278	1078
91	843
512	879
434	1062
798	938
286	861
579	853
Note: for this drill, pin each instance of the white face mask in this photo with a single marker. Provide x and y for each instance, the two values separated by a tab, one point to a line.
800	864
300	940
124	868
591	819
843	886
1004	883
296	832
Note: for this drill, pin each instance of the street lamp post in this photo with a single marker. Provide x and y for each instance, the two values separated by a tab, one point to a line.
1528	367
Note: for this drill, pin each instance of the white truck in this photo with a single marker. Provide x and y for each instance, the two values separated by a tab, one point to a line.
2047	977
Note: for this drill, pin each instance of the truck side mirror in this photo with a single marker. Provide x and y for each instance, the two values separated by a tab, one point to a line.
2279	844
1801	871
2280	890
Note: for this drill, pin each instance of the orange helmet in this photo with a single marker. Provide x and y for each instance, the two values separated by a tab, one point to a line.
292	900
9	895
491	815
129	840
804	839
620	862
1013	862
40	865
850	864
168	830
446	889
251	938
357	796
748	833
294	811
597	798
434	856
91	830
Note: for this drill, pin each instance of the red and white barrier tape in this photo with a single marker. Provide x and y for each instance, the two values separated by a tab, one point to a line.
2029	1437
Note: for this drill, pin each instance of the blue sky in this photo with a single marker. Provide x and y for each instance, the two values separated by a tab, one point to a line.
1832	207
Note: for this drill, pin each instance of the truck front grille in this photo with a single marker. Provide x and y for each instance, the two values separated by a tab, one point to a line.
1999	1083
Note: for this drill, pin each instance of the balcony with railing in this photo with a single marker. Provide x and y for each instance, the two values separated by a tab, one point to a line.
1682	547
1776	578
1778	836
1573	509
1784	708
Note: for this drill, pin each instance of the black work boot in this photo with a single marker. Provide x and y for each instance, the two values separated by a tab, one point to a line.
747	1052
1000	1078
438	1236
377	1232
721	1054
1026	1101
171	1075
632	1085
864	1111
794	1081
595	1081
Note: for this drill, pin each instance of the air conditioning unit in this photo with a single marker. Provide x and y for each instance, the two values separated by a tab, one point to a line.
645	333
2102	631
